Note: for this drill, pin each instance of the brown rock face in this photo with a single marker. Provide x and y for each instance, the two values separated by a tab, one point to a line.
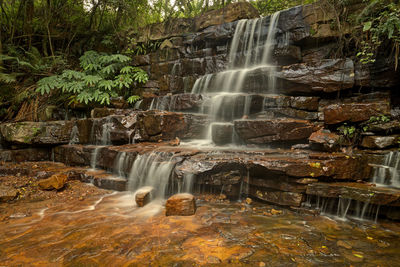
278	197
181	205
222	133
379	142
326	75
160	125
52	132
327	140
354	112
269	130
305	102
56	181
143	196
232	12
104	112
357	191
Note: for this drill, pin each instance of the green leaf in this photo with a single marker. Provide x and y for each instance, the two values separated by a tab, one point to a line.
367	26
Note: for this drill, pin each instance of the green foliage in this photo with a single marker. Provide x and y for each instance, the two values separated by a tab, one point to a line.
379	119
380	21
103	76
347	131
142	48
267	7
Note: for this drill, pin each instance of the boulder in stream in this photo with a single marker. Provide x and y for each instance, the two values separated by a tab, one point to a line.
181	205
143	196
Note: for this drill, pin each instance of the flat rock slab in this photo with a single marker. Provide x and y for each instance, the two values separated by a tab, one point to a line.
380	142
40	133
278	197
357	191
270	130
354	112
181	205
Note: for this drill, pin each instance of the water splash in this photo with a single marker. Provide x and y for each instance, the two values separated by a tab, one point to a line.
155	170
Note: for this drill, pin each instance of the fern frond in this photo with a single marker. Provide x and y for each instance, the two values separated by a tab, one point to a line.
8	78
132	99
106	84
91	80
47	84
127	69
72	74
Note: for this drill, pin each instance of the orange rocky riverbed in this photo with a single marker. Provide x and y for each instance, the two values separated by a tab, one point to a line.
82	225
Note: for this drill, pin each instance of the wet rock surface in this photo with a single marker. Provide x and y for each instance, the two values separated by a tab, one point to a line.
39	133
265	131
380	142
358	191
324	76
161	125
325	140
354	112
219	233
143	196
56	182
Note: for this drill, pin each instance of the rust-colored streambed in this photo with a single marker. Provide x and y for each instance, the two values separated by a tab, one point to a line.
108	230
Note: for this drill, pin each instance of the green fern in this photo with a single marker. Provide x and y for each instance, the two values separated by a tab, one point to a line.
102	77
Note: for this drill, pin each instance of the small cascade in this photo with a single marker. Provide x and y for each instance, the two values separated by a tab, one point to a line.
343	208
387	174
154	170
74	139
120	163
105	138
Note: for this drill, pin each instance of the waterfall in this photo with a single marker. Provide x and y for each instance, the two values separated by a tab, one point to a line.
105	138
74	139
249	52
387	174
343	208
154	170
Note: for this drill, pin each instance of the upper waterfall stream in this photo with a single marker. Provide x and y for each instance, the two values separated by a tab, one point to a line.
227	99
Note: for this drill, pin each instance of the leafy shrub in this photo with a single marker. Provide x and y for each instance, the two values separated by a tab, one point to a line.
380	21
103	76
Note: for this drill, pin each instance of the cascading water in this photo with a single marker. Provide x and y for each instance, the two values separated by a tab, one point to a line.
74	139
152	170
105	138
343	208
387	174
248	52
228	97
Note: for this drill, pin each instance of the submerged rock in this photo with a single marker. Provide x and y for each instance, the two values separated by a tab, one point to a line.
56	181
181	205
221	133
7	193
